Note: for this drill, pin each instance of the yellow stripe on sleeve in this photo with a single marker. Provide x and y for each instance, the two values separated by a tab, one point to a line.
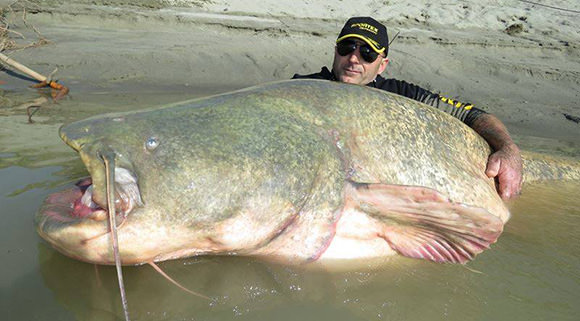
456	104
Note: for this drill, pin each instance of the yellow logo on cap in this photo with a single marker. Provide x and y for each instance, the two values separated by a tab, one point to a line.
365	26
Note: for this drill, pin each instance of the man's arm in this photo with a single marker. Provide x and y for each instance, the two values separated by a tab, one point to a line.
505	162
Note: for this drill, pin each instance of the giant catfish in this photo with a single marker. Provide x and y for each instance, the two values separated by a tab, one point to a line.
294	171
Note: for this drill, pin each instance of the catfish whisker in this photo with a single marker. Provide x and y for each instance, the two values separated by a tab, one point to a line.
92	238
160	271
109	161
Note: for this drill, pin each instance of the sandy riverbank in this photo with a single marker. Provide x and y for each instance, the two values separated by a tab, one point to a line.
518	60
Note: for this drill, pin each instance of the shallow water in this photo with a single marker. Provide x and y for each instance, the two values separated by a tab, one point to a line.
532	273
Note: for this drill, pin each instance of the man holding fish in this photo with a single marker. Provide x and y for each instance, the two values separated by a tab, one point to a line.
360	57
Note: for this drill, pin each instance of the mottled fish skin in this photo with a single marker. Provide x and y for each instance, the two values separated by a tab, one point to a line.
265	171
386	138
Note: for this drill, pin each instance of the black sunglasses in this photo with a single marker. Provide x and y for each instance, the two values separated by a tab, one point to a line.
347	47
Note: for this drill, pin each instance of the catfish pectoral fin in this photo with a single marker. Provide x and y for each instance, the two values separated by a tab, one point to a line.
419	222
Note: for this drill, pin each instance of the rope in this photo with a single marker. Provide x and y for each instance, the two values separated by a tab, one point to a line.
551	7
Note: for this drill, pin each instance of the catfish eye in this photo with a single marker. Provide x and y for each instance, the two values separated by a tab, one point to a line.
151	143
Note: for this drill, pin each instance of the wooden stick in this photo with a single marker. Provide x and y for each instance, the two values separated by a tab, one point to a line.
44	81
22	68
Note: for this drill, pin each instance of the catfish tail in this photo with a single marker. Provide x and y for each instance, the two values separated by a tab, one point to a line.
539	166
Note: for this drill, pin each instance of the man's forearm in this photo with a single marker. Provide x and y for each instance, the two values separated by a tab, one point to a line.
493	131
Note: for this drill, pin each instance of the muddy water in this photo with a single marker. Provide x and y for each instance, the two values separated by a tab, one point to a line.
532	273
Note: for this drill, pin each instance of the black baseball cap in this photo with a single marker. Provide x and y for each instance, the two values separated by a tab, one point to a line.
367	29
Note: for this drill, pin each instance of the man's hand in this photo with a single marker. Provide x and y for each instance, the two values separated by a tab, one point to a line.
506	166
505	163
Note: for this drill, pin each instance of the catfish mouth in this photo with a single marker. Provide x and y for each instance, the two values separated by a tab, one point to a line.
74	204
78	205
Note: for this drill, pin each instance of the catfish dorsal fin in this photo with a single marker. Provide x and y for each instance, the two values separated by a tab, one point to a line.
420	222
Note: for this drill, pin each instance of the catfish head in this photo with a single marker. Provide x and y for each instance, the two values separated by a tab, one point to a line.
156	193
75	220
187	181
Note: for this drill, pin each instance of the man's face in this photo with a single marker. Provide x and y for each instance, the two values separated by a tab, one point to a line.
352	68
